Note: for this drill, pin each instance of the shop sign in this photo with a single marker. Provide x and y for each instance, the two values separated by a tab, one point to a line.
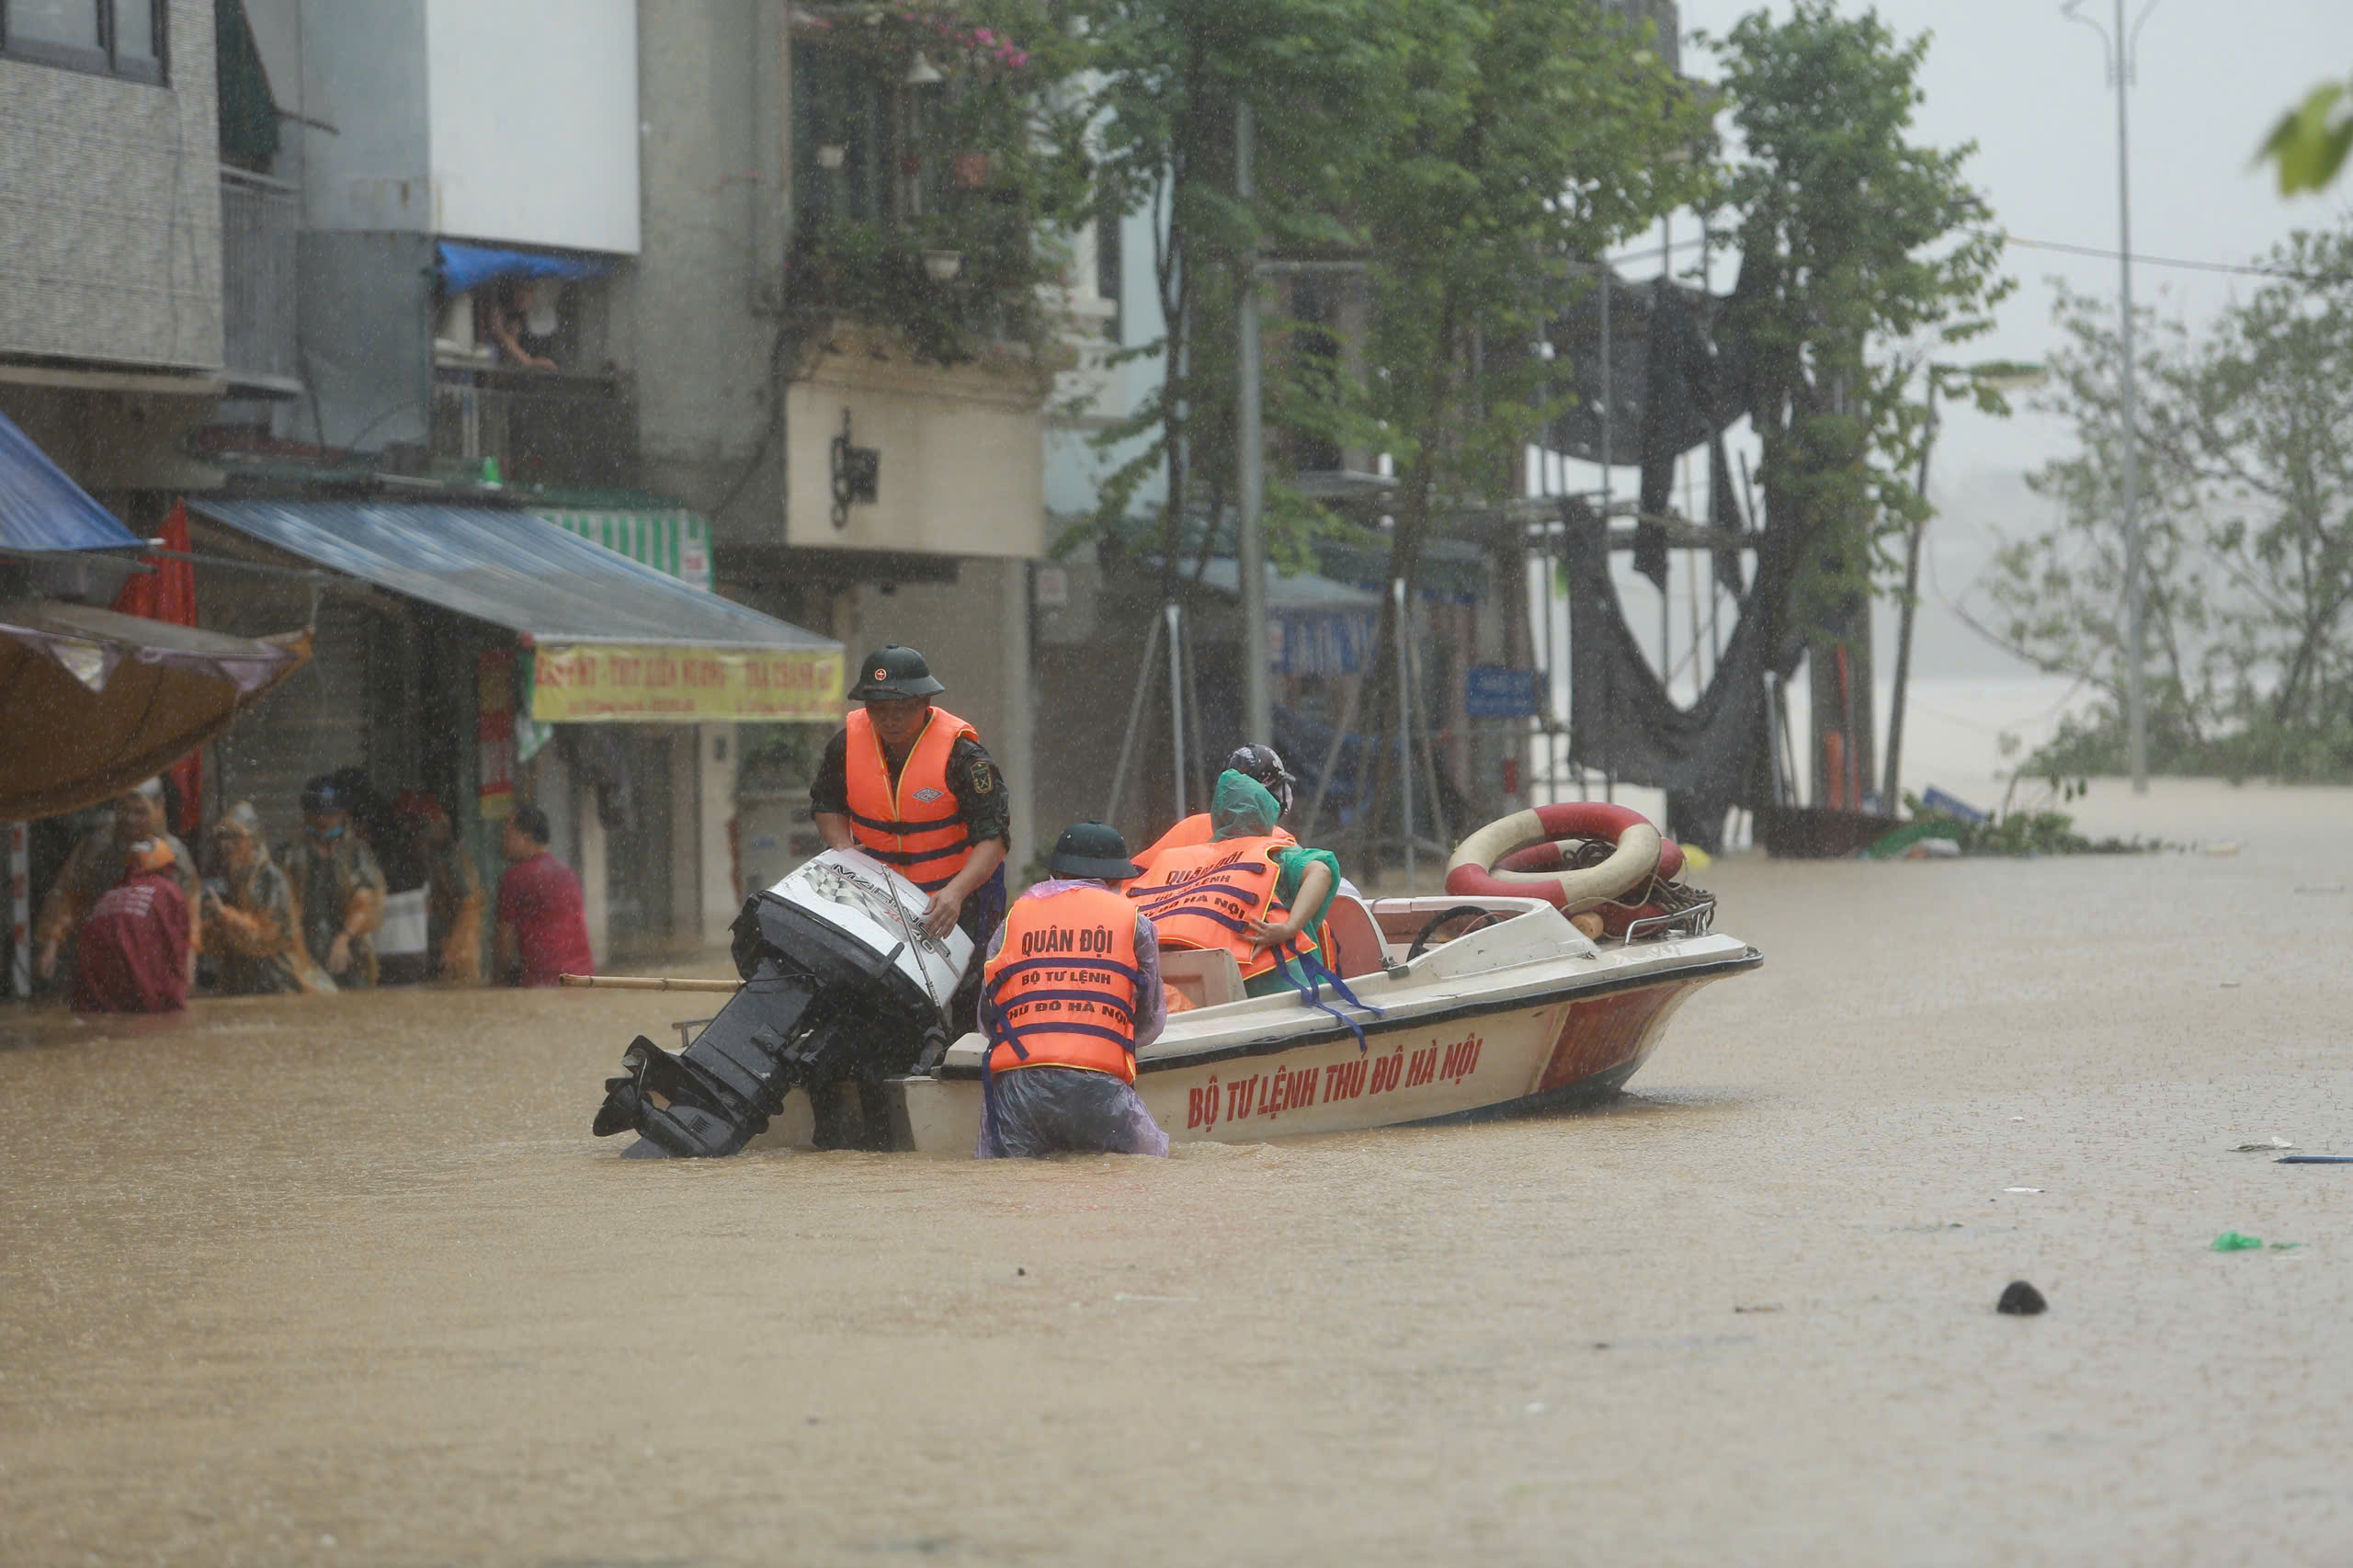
621	683
676	542
494	734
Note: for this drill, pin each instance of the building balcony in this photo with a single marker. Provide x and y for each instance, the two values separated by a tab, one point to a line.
261	218
553	427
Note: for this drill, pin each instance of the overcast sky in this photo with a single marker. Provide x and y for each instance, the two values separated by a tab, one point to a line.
2025	85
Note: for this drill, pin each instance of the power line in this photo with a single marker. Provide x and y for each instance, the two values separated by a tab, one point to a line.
2251	269
1730	239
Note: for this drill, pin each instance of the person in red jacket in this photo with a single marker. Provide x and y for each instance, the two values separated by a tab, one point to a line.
134	956
542	929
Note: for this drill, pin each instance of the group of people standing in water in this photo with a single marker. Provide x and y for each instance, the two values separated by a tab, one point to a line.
143	919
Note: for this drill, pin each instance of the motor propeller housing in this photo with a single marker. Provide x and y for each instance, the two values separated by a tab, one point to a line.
841	988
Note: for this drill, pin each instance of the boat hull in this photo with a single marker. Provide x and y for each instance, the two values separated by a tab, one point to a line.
1474	1064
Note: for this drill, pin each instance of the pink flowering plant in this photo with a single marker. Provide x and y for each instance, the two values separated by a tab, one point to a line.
989	163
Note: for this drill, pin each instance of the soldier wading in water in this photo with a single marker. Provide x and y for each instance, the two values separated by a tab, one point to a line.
1072	990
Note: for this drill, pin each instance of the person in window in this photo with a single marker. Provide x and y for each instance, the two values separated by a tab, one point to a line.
339	887
253	923
542	923
502	316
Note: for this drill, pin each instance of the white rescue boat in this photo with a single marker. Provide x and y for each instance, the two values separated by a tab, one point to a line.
1473	1007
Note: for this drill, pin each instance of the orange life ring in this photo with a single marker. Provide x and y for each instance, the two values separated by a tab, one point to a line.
1479	868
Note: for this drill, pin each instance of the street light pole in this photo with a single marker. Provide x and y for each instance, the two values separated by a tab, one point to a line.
1250	456
2122	48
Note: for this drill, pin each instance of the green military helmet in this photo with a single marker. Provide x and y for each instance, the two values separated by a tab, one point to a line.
894	670
1092	849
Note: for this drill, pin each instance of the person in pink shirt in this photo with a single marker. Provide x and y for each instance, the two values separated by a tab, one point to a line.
543	929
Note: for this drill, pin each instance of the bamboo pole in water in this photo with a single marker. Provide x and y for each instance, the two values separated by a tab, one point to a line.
647	982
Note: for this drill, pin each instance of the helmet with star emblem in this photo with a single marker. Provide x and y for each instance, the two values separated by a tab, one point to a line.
894	670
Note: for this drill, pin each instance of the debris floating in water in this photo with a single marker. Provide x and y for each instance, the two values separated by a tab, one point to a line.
2230	1241
2265	1147
2020	1300
2021	1189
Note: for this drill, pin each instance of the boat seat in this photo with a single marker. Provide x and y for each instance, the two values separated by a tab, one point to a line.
1358	946
1204	977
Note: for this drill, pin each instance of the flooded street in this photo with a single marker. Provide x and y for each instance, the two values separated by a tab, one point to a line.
348	1282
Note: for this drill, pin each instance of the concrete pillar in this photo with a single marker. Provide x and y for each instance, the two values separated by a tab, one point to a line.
1015	744
716	746
595	903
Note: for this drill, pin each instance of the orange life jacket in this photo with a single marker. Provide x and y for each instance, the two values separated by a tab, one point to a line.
1062	991
916	829
1188	832
1205	896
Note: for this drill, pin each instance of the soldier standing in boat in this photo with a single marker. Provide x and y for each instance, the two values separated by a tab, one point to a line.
1072	989
910	784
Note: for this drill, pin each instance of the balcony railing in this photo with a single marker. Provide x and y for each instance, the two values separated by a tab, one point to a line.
259	219
540	427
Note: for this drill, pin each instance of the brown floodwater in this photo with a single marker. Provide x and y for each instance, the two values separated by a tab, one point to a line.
346	1280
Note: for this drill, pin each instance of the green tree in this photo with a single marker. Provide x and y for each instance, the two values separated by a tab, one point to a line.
2246	441
1528	133
2057	598
1855	242
1167	74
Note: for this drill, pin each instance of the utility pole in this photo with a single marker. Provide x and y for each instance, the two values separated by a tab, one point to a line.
2122	50
1258	713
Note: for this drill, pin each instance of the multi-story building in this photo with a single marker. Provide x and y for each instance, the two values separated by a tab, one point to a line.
854	485
111	310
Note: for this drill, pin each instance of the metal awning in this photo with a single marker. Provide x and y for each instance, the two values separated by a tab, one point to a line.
613	640
1315	626
1301	593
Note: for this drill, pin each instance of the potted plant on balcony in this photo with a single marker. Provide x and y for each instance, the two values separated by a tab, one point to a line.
958	265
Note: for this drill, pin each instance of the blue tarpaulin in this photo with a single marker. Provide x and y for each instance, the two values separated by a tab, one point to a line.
40	508
510	569
465	267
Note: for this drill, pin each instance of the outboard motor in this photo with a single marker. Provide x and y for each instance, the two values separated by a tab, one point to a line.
841	987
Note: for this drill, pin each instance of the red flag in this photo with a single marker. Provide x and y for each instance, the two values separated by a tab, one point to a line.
169	594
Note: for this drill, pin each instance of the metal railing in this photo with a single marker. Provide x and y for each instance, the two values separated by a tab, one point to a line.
540	427
259	219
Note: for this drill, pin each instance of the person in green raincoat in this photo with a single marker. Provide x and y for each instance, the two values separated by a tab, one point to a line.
1191	906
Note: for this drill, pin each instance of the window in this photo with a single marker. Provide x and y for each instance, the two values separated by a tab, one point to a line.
1109	263
116	38
845	138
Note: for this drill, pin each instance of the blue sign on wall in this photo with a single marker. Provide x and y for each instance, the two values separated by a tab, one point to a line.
1495	691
